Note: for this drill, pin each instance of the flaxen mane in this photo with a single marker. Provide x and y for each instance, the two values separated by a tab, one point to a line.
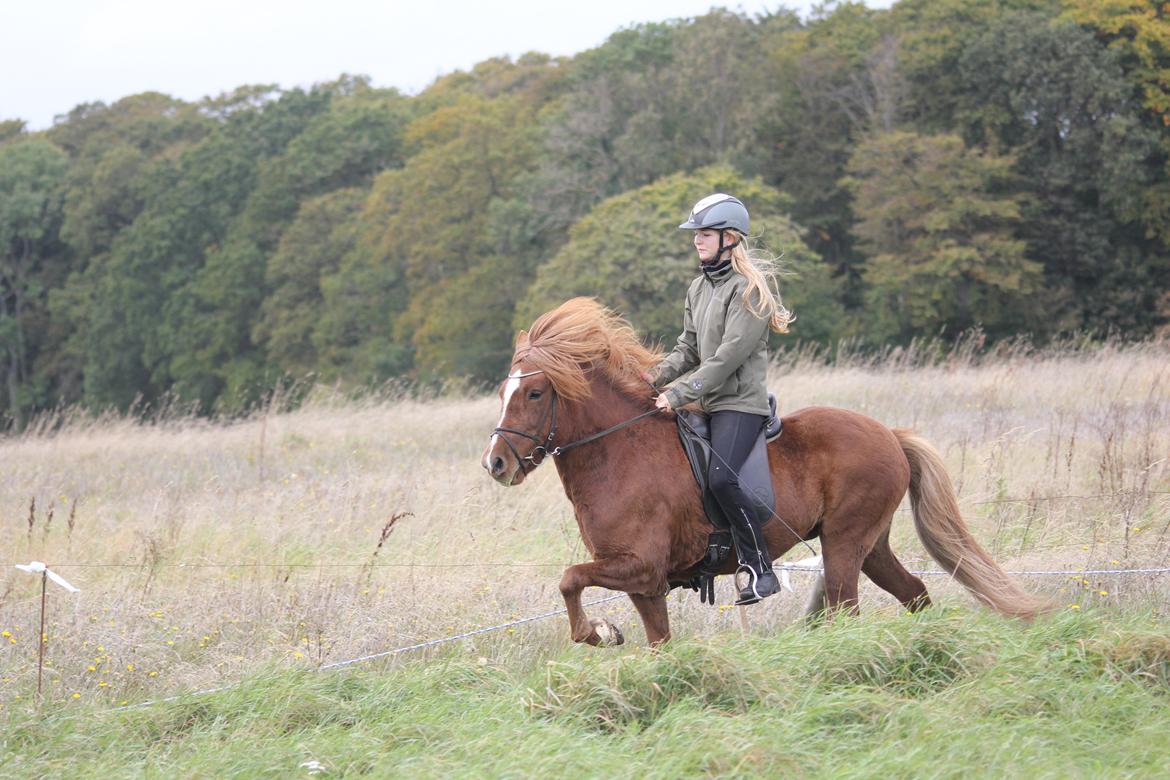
580	335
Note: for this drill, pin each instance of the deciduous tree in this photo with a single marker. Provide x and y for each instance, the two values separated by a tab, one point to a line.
1049	93
32	183
938	230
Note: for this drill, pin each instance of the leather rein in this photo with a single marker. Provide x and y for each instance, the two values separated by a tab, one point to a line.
542	445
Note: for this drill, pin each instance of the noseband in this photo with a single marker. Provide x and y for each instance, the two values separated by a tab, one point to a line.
542	445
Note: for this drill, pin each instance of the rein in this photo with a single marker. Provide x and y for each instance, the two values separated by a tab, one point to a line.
542	446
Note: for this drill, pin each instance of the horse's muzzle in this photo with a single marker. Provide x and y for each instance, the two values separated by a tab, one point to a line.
495	467
498	469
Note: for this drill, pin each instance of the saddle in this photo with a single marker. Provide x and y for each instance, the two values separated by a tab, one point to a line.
755	477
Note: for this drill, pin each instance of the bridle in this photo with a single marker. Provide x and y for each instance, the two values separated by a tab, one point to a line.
542	445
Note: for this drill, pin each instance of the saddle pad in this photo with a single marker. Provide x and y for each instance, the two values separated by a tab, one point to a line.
755	476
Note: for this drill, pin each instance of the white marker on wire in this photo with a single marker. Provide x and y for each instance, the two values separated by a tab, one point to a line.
816	563
37	567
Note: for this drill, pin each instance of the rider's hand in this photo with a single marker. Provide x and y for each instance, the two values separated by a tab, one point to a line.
663	403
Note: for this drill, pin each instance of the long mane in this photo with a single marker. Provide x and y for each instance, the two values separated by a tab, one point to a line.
579	336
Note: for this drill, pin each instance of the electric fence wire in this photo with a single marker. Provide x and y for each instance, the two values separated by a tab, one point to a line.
553	613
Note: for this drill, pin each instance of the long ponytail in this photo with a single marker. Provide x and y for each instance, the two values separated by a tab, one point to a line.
762	296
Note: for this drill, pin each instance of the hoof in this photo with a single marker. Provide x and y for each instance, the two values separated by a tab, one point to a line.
608	635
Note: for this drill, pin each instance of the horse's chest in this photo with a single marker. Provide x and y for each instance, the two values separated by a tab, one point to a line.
585	528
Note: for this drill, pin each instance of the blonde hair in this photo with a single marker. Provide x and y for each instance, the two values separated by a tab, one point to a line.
762	296
581	335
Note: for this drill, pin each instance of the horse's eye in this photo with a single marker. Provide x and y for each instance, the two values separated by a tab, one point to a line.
533	395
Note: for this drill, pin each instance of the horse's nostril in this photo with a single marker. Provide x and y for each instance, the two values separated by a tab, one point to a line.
498	466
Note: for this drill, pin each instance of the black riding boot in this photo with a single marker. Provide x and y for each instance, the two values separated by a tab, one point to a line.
754	560
733	434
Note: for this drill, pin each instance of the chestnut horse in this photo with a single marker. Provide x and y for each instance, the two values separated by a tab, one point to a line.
575	393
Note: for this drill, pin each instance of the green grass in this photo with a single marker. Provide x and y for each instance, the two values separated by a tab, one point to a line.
951	692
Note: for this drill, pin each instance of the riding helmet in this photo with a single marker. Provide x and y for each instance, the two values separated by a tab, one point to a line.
718	212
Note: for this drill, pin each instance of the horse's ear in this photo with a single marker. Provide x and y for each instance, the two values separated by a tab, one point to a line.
521	337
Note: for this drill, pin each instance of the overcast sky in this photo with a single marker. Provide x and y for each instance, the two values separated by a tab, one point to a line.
59	53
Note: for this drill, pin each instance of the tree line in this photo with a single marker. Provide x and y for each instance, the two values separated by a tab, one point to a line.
933	167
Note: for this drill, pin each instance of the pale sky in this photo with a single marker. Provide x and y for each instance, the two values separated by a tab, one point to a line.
57	54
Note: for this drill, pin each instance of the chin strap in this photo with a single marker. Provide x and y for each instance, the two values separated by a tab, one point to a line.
722	248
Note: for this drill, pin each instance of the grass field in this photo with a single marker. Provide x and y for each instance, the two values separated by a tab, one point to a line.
947	694
211	553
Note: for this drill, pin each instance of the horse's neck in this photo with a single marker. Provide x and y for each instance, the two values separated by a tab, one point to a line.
604	408
587	466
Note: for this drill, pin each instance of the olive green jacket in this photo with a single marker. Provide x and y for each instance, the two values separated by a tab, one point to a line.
723	344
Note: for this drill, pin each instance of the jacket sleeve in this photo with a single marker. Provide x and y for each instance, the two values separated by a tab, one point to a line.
685	354
742	331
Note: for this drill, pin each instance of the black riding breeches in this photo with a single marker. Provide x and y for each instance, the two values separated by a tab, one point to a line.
733	434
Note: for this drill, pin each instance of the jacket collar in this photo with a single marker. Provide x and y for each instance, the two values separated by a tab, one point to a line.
719	273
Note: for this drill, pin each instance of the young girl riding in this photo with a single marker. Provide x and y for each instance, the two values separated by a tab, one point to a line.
729	309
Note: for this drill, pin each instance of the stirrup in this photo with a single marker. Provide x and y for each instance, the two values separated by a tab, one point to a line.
752	592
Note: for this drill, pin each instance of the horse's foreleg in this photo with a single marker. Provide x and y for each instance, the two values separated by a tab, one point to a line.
655	619
625	573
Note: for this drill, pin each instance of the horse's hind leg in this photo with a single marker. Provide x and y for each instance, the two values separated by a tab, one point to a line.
887	573
845	545
842	568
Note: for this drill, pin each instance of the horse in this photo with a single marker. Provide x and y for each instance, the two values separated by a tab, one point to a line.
576	394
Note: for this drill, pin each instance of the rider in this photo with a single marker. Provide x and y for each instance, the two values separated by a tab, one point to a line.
729	308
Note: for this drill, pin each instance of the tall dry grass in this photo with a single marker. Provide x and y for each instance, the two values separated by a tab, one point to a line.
206	549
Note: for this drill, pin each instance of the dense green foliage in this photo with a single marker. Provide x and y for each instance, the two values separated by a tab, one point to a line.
942	694
941	165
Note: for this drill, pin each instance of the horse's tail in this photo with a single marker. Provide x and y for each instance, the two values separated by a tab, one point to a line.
945	536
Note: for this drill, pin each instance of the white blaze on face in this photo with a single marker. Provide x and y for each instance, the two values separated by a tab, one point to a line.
513	383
